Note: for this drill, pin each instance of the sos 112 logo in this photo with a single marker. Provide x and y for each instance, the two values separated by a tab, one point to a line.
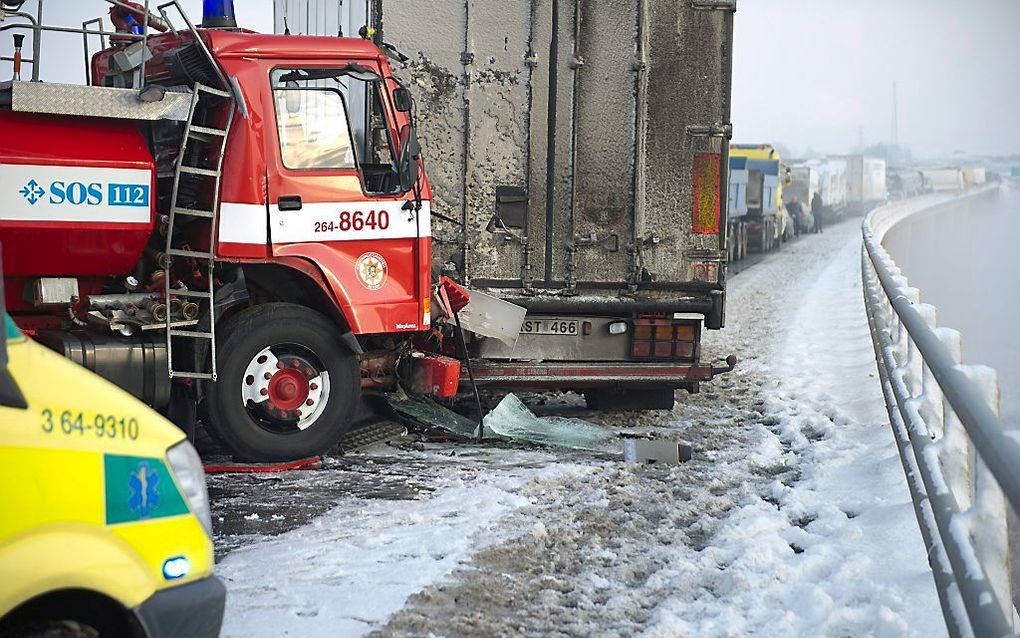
60	192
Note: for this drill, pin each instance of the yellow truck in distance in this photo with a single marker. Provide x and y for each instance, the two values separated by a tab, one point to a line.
766	221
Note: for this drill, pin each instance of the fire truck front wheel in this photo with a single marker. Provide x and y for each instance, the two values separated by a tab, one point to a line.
286	389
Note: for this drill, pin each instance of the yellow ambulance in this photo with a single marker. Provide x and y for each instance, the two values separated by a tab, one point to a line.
105	526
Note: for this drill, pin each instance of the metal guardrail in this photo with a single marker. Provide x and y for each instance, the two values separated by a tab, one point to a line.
961	467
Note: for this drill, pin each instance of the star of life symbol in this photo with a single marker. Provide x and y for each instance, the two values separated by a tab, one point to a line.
32	192
144	486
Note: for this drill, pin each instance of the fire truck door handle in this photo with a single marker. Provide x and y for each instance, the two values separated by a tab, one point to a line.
289	202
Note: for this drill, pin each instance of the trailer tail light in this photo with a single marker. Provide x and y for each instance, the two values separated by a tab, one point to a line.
707	184
664	339
685	332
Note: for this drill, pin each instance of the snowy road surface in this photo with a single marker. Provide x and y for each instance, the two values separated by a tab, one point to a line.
793	519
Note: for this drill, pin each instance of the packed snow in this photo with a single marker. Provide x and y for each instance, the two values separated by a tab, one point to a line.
792	519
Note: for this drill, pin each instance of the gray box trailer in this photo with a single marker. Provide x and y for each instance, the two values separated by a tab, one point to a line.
866	180
578	156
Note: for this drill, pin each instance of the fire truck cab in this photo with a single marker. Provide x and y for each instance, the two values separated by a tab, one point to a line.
215	213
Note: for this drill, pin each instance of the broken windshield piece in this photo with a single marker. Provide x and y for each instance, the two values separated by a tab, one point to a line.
512	419
427	412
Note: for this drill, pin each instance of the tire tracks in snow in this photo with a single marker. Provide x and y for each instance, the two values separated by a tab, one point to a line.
698	548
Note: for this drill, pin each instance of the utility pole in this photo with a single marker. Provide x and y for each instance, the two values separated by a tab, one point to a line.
895	118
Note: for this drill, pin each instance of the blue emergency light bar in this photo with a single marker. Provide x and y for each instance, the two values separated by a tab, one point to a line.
218	14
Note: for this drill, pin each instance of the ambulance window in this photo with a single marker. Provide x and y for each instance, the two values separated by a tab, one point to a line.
313	127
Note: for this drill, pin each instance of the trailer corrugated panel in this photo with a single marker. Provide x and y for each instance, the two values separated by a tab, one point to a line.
329	18
320	17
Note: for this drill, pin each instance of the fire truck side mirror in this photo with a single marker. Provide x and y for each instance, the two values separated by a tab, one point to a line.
407	167
402	99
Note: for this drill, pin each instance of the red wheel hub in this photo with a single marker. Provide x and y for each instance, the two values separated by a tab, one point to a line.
288	389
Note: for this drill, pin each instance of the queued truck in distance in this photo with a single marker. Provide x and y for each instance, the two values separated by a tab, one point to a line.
903	181
804	184
940	180
759	175
832	185
241	225
736	214
866	181
845	183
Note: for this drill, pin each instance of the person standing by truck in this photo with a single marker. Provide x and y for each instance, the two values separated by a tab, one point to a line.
816	210
795	208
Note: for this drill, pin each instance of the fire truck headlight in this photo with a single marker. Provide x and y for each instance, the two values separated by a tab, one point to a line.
187	467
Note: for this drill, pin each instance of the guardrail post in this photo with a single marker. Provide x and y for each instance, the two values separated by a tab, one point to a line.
955	452
913	362
987	518
896	330
930	398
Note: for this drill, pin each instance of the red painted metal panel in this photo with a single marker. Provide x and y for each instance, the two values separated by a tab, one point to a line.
393	307
40	247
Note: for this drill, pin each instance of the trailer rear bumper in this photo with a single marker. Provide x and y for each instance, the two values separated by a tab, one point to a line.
557	375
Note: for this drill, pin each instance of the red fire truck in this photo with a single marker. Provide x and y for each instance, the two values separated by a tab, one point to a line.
201	223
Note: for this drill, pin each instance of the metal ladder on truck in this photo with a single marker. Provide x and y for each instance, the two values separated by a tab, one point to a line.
200	144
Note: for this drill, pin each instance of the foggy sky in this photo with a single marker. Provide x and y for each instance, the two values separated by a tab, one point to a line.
810	72
807	73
